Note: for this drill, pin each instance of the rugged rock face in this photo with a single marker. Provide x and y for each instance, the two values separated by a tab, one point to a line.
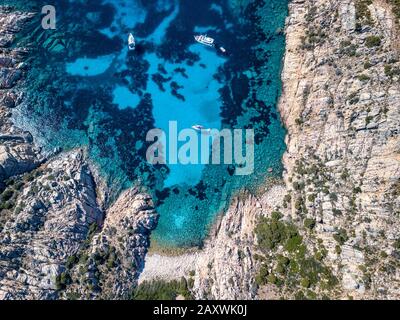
11	23
338	210
110	266
53	210
17	151
340	104
56	239
227	262
226	267
56	242
341	107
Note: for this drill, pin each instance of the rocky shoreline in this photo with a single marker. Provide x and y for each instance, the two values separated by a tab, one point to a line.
340	105
341	108
18	154
56	238
339	199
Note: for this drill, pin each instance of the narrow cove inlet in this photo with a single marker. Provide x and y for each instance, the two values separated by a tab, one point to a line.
105	97
220	152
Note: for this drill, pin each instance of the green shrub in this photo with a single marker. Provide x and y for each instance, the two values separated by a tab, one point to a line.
396	8
7	205
356	190
390	71
363	77
345	174
272	279
353	98
161	290
111	260
73	295
283	260
298	186
190	284
333	196
18	185
373	41
71	261
293	243
396	244
305	283
7	195
283	263
261	277
309	223
30	177
63	280
363	14
299	204
320	255
270	233
276	215
341	236
312	197
287	198
367	65
336	212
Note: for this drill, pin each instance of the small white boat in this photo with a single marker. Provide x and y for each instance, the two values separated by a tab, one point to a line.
201	129
223	50
131	42
203	39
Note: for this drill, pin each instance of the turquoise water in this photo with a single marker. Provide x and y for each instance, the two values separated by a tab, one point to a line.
85	88
124	98
89	67
201	105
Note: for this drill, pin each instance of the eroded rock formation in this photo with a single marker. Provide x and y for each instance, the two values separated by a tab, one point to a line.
340	105
57	241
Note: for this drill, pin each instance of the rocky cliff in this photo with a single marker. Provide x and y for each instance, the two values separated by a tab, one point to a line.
56	238
53	211
226	268
341	107
328	230
109	266
335	232
57	242
18	154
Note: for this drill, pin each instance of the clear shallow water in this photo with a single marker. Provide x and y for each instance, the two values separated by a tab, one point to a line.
200	105
124	98
87	89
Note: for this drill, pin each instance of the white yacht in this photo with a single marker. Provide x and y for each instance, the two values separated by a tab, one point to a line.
131	42
203	39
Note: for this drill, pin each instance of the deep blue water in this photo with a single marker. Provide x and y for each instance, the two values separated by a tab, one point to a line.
85	88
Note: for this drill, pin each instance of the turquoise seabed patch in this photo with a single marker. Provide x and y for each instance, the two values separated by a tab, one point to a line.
198	29
124	98
201	104
108	97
